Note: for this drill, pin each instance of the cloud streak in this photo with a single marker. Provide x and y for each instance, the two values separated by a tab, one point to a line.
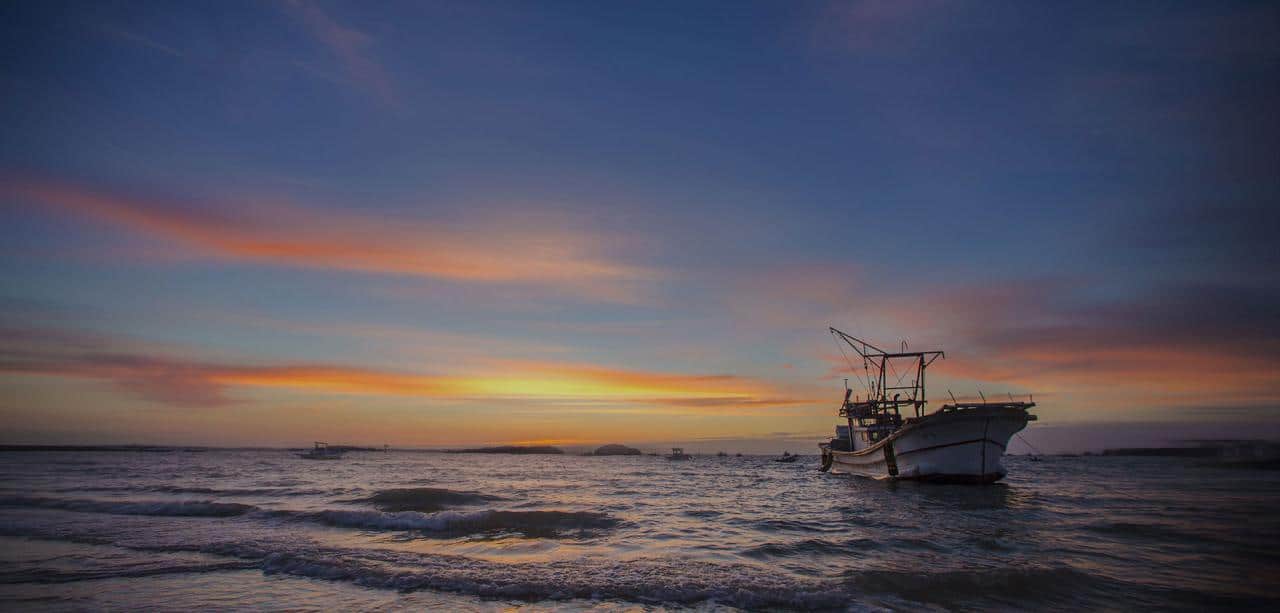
189	382
289	235
351	48
1175	344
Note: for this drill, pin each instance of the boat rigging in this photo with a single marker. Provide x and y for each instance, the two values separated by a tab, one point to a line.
958	442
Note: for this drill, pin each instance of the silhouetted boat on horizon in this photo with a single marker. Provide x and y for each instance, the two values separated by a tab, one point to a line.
321	451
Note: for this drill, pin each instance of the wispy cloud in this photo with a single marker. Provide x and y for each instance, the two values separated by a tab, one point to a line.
351	47
875	25
170	378
1177	345
290	235
134	38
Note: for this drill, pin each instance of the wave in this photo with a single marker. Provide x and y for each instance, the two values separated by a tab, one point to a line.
167	508
1146	531
424	499
791	525
208	491
642	581
1014	584
645	580
528	523
633	582
61	575
660	581
810	547
247	491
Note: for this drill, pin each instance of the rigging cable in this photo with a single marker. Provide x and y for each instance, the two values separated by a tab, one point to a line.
846	355
1024	441
868	384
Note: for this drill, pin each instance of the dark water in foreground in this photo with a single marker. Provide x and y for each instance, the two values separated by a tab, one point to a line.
264	529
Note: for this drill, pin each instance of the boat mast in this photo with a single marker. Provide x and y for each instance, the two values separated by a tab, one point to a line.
879	388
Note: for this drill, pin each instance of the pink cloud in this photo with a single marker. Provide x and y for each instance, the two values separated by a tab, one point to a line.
473	252
350	46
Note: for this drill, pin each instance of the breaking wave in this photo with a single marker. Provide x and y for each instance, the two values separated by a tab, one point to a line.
423	499
643	580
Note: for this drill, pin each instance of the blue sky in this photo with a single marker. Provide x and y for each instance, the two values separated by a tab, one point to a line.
221	221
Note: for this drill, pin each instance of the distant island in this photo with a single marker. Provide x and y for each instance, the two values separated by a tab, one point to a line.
516	449
616	450
1223	453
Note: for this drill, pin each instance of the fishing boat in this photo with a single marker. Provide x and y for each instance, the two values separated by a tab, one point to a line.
678	454
322	451
786	457
961	442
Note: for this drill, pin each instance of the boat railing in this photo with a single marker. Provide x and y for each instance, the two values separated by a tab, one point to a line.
963	406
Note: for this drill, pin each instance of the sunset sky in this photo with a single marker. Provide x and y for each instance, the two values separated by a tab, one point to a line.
431	224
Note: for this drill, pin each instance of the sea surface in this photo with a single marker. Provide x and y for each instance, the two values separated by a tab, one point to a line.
265	529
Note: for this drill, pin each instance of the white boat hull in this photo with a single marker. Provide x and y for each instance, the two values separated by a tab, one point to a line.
964	446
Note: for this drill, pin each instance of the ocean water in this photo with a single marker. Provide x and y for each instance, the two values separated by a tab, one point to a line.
264	529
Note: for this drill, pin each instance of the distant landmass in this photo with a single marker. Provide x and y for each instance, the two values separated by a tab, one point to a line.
617	450
516	449
1172	452
1225	453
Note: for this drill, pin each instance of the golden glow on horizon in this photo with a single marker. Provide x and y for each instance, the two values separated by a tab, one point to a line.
524	381
182	381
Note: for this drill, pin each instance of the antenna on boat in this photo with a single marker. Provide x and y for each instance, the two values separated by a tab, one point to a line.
984	398
953	397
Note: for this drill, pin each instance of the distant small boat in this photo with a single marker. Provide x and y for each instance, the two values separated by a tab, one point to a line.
722	455
678	454
322	452
786	457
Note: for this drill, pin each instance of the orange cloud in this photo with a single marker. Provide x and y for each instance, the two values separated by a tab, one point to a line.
1170	346
272	233
190	382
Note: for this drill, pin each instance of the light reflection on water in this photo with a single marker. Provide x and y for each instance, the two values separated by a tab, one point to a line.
586	531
